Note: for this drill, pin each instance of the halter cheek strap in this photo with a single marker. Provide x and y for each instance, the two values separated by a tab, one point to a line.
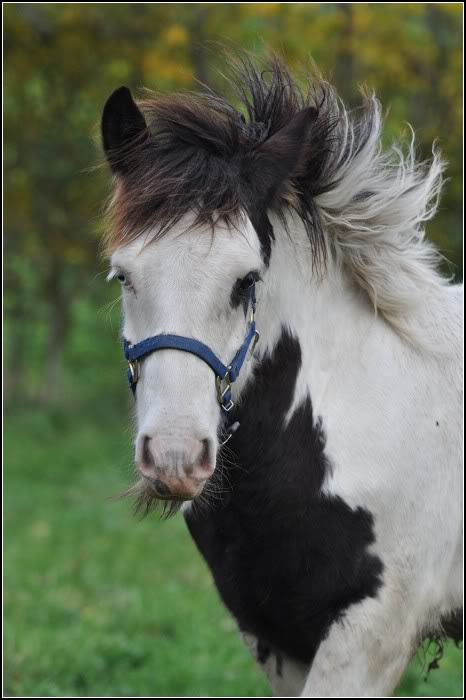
224	375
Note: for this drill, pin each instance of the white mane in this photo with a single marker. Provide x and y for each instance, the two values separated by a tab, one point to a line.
376	215
368	206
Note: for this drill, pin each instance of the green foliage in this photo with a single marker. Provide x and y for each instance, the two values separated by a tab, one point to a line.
63	60
98	603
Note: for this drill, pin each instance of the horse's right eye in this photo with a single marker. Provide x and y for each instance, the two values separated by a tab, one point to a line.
123	279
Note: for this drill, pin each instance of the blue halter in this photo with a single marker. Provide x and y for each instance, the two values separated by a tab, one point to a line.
224	375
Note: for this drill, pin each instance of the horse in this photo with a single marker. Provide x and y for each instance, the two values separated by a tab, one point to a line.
296	358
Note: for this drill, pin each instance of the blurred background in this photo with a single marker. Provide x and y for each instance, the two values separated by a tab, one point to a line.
97	603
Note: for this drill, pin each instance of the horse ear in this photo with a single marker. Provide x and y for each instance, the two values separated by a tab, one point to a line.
282	155
122	122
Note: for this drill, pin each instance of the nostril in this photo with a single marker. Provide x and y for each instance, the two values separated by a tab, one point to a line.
205	454
161	488
205	461
146	453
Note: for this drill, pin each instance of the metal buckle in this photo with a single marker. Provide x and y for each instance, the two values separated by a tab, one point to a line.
133	368
222	390
134	371
255	340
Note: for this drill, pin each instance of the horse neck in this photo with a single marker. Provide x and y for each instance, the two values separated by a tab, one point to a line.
321	309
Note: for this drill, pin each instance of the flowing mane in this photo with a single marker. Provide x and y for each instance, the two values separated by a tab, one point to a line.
366	206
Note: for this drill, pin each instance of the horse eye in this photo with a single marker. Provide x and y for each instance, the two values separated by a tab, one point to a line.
248	281
122	279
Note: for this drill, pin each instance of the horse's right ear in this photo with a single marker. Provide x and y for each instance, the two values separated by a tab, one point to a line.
122	123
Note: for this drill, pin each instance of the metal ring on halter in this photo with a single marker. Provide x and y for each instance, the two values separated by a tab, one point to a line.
134	371
133	368
221	391
255	340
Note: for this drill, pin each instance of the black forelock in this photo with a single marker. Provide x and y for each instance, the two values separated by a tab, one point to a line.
201	153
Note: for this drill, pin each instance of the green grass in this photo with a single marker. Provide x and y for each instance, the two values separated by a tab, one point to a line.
98	603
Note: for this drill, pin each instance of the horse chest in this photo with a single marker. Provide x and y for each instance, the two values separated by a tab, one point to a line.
289	572
287	560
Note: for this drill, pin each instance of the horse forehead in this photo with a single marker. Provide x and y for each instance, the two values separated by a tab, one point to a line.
188	247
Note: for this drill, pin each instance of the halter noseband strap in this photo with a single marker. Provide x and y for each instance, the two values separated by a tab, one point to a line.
224	375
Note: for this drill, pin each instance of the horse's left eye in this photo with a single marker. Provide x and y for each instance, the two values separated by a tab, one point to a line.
247	282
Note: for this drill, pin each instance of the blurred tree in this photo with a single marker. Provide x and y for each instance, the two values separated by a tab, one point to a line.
55	88
62	61
344	60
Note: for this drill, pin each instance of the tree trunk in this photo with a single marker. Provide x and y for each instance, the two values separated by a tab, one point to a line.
15	371
15	385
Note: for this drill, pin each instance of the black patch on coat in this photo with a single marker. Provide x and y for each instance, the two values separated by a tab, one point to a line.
452	625
264	651
287	560
279	664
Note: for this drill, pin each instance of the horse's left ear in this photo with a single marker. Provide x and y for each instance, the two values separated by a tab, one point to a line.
122	123
280	157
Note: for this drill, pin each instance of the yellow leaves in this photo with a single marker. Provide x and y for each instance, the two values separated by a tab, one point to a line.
73	254
363	18
263	9
175	35
163	71
414	8
65	58
70	13
454	9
